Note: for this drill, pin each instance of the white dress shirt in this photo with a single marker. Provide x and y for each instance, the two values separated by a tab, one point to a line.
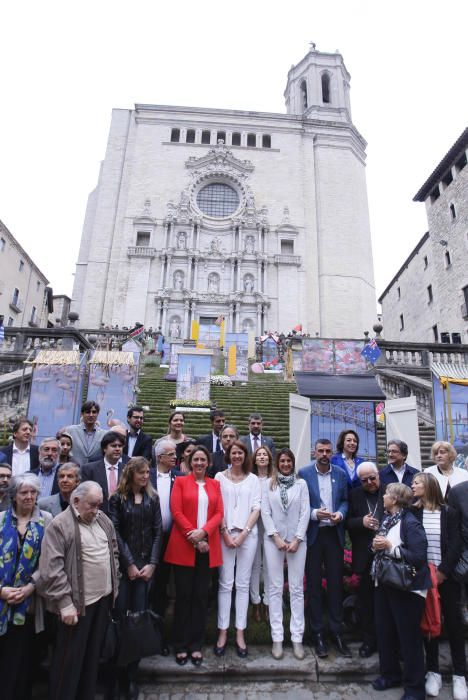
164	492
21	461
131	443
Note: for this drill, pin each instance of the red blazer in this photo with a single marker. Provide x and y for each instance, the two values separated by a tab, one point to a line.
184	508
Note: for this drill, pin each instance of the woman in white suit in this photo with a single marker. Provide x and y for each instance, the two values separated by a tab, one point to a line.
285	516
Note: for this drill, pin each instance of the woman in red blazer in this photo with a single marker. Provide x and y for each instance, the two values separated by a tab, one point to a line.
194	547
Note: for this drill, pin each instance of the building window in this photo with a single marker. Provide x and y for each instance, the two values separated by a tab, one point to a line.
435	332
326	88
251	140
221	136
175	135
430	296
190	136
266	141
461	162
206	136
448	260
445	337
287	247
218	200
236	139
2	244
402	323
435	194
21	266
399	292
143	239
38	285
426	262
453	213
456	338
304	95
465	295
10	321
447	179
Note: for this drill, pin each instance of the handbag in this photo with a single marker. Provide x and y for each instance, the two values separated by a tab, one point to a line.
140	636
110	643
460	571
396	573
431	621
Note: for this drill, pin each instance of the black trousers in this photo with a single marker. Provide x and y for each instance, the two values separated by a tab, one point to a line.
326	550
450	594
159	597
192	589
75	662
16	661
397	620
365	608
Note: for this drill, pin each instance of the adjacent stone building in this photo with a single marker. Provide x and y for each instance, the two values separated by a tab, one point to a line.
24	295
258	217
427	300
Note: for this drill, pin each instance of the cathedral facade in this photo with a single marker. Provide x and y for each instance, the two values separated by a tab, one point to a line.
258	217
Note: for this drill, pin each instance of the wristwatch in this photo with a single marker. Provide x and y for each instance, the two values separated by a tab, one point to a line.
249	529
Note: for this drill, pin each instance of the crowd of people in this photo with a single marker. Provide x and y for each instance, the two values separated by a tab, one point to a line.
95	524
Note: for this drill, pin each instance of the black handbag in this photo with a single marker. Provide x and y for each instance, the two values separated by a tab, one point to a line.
140	636
396	573
110	643
460	571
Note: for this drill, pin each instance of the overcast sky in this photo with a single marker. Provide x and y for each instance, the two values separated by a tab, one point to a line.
65	65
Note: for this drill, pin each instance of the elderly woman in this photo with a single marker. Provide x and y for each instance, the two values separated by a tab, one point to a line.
22	528
242	501
136	516
194	548
398	612
262	466
441	525
346	458
286	515
444	455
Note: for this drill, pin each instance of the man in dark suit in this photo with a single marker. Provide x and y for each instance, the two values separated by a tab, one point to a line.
138	443
47	471
68	478
397	470
108	470
22	456
212	440
328	493
365	513
255	438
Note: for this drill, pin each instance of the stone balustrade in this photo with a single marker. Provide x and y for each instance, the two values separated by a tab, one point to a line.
14	394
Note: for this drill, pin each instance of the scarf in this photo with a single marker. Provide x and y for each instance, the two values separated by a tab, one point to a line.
18	562
285	483
386	525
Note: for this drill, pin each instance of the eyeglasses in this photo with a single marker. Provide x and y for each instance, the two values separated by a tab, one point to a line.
169	454
368	478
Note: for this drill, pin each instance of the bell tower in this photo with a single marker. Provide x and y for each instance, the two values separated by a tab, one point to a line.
318	87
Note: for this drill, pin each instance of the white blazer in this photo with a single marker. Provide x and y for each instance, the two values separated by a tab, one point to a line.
289	523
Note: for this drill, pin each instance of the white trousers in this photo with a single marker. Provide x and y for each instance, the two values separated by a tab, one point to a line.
296	565
259	568
239	560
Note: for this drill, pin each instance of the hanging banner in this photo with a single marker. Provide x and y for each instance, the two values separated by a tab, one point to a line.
236	346
193	375
113	377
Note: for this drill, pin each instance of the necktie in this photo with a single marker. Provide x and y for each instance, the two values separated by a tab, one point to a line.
112	480
218	445
255	442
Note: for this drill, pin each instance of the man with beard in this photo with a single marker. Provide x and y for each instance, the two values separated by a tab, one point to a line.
5	478
86	435
328	493
49	460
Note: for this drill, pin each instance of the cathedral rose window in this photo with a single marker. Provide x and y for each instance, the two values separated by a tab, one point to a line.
218	200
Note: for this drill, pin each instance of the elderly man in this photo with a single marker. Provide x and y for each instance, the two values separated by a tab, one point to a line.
138	443
163	478
49	460
79	580
364	515
86	435
255	438
108	470
68	478
5	479
397	470
328	493
22	456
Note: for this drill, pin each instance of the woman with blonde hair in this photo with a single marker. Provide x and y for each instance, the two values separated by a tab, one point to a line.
441	525
135	512
444	455
262	466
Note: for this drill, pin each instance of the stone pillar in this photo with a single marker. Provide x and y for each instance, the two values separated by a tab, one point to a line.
238	289
186	314
259	286
165	304
238	310
195	277
168	272
259	320
161	277
191	242
229	324
231	285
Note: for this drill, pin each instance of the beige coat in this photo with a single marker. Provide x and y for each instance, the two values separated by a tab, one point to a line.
60	567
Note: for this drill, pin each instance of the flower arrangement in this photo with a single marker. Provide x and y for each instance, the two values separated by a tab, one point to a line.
221	380
189	402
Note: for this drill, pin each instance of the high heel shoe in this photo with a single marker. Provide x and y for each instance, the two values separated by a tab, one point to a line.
196	660
242	652
181	659
219	651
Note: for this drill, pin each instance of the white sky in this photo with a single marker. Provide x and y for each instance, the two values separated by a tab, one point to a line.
65	65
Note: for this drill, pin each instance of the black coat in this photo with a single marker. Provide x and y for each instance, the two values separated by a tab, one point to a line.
143	446
458	500
33	455
206	441
414	549
361	537
388	476
96	471
138	529
449	537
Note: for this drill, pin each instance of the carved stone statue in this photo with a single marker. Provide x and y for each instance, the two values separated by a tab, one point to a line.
249	244
181	240
174	329
178	280
214	245
248	284
213	282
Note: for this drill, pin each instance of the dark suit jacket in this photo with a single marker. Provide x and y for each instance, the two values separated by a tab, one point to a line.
96	471
174	474
458	500
206	441
414	548
339	496
143	446
265	442
55	488
219	465
361	537
388	476
33	455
